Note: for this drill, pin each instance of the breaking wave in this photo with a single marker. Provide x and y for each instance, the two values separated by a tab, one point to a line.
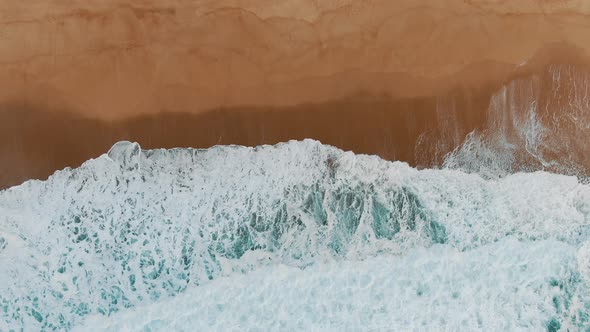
294	236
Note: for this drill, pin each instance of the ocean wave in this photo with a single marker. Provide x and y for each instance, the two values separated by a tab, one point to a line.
134	227
505	286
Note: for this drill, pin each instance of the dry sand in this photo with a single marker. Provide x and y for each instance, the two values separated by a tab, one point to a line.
366	75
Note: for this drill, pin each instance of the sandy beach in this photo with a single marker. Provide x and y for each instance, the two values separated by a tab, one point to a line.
369	76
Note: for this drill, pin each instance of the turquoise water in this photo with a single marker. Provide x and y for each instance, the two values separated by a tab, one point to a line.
294	236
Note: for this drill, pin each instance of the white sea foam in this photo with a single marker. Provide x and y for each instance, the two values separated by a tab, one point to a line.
540	122
147	236
505	286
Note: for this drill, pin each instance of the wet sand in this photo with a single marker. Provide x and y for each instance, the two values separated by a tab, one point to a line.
406	80
34	143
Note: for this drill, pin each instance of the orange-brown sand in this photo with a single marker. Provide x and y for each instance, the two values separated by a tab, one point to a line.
366	75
